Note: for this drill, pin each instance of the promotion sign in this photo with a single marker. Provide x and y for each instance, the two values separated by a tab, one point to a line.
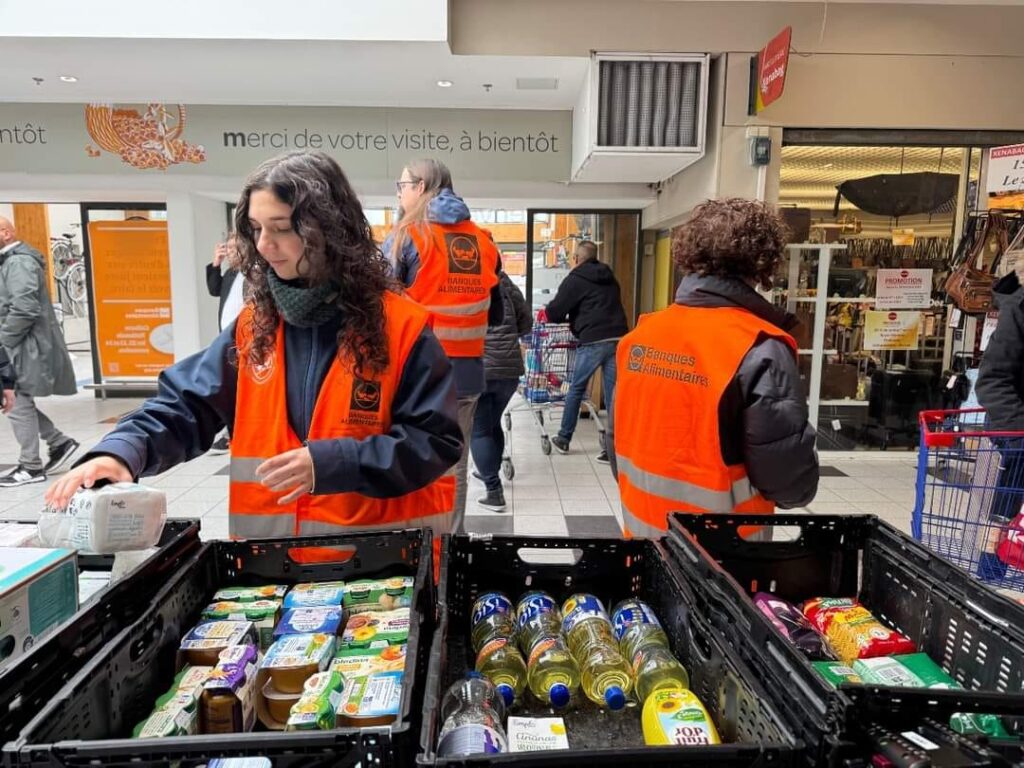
892	330
770	66
903	289
1006	177
131	281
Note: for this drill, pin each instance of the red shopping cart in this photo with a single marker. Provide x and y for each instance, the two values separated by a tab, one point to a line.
549	354
970	488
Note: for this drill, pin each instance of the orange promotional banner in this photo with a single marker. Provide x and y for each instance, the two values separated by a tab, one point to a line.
131	280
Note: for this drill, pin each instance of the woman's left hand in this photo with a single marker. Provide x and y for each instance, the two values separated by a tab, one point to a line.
289	471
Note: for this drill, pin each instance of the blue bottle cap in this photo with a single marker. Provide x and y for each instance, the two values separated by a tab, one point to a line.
508	693
615	698
559	694
474	675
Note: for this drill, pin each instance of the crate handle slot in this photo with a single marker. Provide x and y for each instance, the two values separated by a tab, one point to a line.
988	615
321	555
549	556
781	534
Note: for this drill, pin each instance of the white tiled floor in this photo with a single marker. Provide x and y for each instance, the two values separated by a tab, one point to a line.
550	495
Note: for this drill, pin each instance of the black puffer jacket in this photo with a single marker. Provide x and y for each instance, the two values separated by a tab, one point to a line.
1000	386
763	412
589	297
503	358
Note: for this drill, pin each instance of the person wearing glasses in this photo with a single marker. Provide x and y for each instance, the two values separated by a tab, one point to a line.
341	401
450	266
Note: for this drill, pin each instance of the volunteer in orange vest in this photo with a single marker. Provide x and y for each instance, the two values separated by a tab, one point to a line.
341	401
450	266
709	413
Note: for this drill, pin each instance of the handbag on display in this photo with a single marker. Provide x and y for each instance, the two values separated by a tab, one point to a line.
969	287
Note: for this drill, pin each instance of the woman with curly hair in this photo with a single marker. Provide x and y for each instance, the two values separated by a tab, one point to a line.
710	415
341	401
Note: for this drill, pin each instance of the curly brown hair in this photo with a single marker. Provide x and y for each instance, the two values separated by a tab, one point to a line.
732	237
338	248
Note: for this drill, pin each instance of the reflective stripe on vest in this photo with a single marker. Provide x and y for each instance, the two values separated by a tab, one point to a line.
347	406
684	492
635	528
673	370
458	270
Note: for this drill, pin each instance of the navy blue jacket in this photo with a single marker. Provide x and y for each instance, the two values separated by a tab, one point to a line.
447	208
196	400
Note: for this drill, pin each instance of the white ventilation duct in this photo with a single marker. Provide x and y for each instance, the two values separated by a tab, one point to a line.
641	118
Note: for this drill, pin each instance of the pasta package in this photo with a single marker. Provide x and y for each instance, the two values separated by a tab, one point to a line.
852	631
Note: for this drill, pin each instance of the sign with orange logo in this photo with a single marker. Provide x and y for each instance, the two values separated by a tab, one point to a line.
151	139
903	289
131	281
463	253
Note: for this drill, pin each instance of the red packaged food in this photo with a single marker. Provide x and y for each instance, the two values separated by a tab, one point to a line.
852	631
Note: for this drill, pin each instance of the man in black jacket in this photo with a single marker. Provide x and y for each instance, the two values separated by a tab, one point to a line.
590	298
1000	391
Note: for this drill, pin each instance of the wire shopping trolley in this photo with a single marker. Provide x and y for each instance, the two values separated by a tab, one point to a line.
970	487
549	354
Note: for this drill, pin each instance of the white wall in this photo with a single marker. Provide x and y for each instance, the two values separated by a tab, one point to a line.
194	226
405	20
7	211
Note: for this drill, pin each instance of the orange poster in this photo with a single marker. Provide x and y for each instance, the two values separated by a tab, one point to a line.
131	280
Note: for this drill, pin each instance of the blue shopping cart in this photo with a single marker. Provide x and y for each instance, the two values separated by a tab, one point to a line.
549	355
970	488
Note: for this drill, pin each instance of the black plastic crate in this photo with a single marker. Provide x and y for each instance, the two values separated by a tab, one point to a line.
613	570
974	634
89	721
34	679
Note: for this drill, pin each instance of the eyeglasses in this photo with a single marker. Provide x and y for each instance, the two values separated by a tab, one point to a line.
400	184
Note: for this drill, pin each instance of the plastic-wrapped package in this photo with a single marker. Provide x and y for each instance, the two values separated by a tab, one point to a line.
115	518
794	626
852	631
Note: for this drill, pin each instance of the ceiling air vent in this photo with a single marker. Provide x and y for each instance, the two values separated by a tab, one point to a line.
537	83
642	118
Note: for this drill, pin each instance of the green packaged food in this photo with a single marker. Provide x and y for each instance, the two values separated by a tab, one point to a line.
377	629
178	716
318	707
836	672
917	670
250	594
378	594
264	615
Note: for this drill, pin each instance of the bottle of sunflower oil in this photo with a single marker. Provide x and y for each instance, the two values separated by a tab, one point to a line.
605	674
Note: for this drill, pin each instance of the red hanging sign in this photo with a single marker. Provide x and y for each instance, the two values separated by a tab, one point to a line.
772	64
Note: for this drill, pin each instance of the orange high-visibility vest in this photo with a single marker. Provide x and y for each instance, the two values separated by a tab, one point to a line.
673	369
346	406
458	269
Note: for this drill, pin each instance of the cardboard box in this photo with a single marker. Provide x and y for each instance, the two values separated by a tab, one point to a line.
38	591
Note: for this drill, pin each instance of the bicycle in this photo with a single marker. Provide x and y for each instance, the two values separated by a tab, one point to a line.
69	272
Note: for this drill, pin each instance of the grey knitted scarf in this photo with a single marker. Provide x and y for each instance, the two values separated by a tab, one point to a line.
301	306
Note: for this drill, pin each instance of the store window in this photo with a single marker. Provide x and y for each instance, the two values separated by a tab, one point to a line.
880	225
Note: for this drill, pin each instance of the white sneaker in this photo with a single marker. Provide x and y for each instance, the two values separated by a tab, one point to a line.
21	476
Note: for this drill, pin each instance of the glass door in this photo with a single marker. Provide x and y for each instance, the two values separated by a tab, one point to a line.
552	237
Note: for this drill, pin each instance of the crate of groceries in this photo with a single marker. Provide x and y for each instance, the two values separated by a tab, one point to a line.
48	635
585	652
304	651
851	614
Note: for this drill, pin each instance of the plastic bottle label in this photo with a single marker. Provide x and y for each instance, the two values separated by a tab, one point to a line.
534	605
471	739
631	614
578	608
490	604
489	650
540	648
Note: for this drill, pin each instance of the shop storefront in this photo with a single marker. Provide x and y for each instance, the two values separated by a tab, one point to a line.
877	231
